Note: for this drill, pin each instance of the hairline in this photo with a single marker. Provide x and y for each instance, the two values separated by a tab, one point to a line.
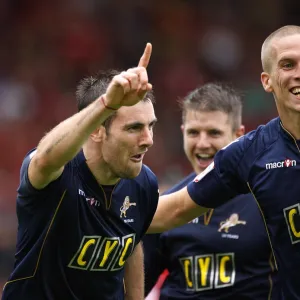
267	49
235	122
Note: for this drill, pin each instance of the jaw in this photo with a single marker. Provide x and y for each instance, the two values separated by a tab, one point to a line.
133	169
293	102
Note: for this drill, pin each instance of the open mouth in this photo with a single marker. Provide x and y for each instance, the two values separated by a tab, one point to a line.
296	91
204	159
137	157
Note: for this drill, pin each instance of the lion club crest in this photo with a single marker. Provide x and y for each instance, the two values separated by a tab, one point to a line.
233	220
125	206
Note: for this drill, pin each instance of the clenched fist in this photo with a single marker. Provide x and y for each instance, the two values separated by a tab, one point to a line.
130	87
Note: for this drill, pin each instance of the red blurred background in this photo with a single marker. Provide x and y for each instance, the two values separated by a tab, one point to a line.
48	46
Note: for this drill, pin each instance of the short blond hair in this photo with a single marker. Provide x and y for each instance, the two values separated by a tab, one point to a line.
267	51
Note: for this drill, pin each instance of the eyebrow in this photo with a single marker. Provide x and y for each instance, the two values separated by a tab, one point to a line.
290	57
284	58
139	124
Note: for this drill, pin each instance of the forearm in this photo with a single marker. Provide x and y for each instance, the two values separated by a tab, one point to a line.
62	143
174	210
134	275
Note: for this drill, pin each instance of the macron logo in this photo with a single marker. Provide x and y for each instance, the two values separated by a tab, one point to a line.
281	164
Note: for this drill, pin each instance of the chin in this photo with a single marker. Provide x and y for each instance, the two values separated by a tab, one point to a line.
197	169
132	173
136	172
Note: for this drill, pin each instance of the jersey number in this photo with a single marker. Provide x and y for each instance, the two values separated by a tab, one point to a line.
205	272
97	253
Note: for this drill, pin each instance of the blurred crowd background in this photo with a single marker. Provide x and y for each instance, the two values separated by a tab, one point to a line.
48	46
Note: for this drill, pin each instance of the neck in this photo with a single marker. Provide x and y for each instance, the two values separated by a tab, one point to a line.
99	167
291	122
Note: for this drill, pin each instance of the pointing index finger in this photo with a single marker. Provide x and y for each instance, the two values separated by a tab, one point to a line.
144	60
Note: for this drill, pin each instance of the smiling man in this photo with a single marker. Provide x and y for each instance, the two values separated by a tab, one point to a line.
212	257
243	166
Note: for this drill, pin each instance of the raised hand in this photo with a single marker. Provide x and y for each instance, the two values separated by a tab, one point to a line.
130	87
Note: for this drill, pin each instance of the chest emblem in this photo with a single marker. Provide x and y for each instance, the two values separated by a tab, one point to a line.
125	206
232	221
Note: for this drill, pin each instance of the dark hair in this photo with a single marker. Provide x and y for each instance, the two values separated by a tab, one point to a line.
214	97
90	88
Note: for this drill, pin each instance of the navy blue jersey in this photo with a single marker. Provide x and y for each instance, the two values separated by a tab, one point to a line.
266	162
73	240
224	254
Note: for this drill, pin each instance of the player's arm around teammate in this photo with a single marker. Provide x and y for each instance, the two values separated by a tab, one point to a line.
174	210
134	275
63	142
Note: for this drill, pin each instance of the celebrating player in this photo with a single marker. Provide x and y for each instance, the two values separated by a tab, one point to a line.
213	257
265	162
73	242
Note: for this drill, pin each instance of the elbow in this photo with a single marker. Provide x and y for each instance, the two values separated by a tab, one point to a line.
43	164
40	163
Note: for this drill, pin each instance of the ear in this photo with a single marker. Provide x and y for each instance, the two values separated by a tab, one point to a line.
98	134
182	128
240	131
266	82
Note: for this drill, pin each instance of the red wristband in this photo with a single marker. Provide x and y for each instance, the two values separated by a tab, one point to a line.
107	107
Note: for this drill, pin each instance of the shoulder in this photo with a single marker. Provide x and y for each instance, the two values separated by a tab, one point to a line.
251	144
263	136
27	159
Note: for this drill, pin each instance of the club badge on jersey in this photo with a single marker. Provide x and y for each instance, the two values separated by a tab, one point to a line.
125	206
232	221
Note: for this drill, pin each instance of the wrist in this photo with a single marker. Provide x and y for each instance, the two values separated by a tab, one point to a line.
103	101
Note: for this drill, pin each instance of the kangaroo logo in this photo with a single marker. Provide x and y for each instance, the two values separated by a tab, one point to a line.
233	220
125	206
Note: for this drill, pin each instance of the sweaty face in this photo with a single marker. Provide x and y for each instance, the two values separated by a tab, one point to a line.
204	133
284	77
129	138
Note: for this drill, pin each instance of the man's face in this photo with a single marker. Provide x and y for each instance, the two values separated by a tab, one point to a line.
284	77
204	133
129	138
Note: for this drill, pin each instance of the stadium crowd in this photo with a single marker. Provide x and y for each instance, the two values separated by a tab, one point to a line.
47	46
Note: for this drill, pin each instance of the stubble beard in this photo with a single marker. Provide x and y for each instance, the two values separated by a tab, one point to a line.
128	173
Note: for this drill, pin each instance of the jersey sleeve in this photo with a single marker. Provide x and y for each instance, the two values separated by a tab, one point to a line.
30	197
25	188
225	178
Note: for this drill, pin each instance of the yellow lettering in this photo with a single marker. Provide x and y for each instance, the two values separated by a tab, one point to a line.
204	265
109	247
292	212
80	260
223	277
187	264
121	260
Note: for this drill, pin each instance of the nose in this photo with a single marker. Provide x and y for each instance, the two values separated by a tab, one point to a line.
297	72
146	138
203	141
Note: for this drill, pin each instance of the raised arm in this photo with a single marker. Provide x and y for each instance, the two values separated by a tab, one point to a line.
62	143
174	210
